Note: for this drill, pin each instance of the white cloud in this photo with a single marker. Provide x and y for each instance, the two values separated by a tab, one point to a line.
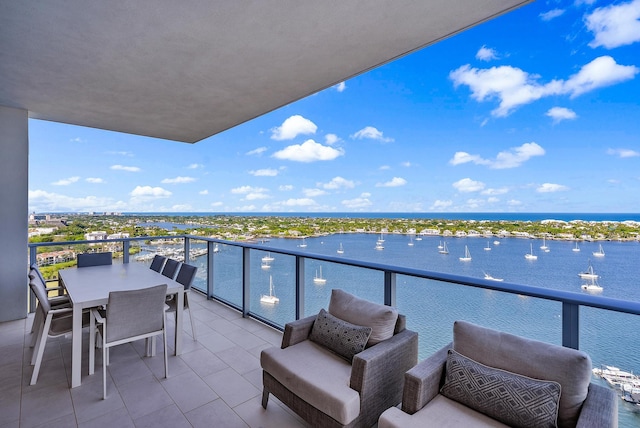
331	139
369	132
309	151
394	182
195	166
514	87
467	185
561	113
384	167
512	158
285	187
514	203
217	204
203	192
615	25
178	180
301	202
267	172
486	54
66	181
358	203
475	203
551	187
292	127
43	201
312	193
440	205
243	190
78	140
256	152
499	191
125	168
407	164
94	180
256	195
493	200
338	183
552	14
181	208
122	153
623	153
340	86
150	192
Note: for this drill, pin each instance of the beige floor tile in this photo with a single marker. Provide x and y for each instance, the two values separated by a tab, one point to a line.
274	416
231	387
217	411
169	416
239	359
119	418
188	391
203	362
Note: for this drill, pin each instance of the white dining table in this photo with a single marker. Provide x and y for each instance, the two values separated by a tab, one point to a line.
89	287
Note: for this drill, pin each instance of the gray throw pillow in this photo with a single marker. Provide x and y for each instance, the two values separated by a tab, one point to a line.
510	398
341	337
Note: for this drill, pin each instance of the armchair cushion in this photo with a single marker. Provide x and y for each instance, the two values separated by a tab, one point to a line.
316	375
532	358
342	337
381	318
513	399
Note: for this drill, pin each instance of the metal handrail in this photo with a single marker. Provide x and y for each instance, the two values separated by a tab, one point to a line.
571	301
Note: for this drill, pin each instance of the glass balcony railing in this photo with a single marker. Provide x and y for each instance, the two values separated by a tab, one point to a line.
239	274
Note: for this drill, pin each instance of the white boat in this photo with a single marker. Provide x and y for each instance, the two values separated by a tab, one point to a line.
216	249
440	247
531	256
318	279
490	278
265	265
271	297
304	244
487	248
443	249
544	244
496	242
381	239
379	245
592	286
589	273
410	241
576	248
340	249
467	255
419	238
268	258
599	253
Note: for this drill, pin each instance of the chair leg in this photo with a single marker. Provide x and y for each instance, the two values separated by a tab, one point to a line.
265	397
166	357
105	354
92	344
39	350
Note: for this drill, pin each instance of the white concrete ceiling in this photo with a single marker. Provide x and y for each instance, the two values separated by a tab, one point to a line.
185	70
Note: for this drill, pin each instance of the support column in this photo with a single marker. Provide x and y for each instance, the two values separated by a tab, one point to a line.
14	212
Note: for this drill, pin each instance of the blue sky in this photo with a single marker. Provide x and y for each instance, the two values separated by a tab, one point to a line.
535	111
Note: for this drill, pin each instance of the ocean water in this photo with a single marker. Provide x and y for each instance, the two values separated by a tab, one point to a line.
431	307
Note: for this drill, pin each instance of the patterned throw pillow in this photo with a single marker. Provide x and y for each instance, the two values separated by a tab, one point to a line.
343	338
510	398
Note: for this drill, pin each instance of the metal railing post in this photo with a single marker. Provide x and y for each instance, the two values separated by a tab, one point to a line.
246	281
210	255
125	251
187	249
299	287
570	325
389	288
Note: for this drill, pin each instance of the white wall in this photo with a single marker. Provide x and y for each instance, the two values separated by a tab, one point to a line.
14	188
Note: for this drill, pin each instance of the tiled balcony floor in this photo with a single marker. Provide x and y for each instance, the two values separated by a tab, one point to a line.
216	381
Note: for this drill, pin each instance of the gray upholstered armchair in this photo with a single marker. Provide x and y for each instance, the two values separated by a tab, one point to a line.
332	386
502	380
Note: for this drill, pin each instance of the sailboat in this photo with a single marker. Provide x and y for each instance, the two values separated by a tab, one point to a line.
444	249
599	253
379	245
340	249
544	244
381	239
467	255
487	248
304	244
440	247
216	248
410	241
530	256
592	286
318	279
419	238
271	297
576	248
268	258
589	273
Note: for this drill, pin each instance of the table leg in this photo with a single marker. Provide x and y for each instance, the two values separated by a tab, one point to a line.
179	317
76	347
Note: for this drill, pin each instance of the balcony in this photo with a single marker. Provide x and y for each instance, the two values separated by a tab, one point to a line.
218	376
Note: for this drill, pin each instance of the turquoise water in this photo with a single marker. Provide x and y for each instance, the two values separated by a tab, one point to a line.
432	307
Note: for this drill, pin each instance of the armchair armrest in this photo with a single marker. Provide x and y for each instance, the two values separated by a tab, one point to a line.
600	409
422	382
297	331
377	373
